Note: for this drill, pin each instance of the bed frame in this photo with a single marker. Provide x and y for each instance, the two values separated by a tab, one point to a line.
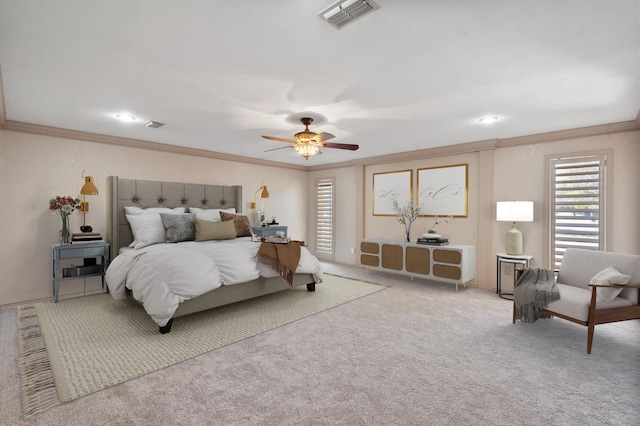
144	194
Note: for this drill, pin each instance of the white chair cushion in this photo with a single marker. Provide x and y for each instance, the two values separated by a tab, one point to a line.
574	302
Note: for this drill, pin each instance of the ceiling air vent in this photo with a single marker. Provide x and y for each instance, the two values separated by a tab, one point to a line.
344	12
153	124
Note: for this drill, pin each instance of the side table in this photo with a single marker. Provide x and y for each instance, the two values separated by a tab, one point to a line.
79	251
514	260
269	231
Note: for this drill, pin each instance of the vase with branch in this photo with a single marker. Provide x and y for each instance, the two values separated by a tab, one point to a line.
407	215
432	231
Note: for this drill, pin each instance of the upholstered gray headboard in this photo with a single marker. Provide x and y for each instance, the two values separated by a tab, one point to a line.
146	193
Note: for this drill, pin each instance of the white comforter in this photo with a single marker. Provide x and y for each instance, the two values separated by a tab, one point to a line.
162	276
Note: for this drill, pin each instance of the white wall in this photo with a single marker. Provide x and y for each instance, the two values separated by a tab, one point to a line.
35	168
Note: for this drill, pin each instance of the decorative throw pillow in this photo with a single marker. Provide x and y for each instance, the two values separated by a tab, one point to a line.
133	210
609	275
212	215
147	229
207	230
243	227
178	227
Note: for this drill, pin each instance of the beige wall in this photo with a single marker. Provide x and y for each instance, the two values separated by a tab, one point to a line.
516	173
35	168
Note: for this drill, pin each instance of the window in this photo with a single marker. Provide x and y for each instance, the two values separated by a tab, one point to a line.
577	200
325	214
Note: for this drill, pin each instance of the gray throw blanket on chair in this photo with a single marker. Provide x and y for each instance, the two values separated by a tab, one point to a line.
535	289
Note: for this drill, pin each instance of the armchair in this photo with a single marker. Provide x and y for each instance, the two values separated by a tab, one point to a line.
583	303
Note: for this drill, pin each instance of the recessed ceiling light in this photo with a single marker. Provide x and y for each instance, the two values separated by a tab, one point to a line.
488	120
125	117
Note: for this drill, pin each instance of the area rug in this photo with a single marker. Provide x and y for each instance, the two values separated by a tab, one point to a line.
85	344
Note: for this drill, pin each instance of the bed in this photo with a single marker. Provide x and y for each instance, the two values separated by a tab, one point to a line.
135	272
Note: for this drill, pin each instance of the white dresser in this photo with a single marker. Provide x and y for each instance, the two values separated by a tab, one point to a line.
452	263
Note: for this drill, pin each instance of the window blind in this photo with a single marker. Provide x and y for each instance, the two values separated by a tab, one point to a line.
325	224
577	197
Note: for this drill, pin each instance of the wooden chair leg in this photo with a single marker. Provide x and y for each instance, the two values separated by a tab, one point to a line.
591	327
591	322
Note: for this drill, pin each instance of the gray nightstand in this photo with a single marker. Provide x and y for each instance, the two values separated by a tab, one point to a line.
79	251
269	231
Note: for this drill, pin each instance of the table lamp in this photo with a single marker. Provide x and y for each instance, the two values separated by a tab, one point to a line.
88	188
264	193
514	211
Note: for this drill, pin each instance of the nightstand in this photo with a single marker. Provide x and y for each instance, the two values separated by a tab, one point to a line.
522	260
269	231
88	252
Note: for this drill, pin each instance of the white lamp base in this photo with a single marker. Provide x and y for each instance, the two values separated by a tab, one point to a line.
514	241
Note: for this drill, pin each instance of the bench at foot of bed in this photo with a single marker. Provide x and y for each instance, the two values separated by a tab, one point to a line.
167	328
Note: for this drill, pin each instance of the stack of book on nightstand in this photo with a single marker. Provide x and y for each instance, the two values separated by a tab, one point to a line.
437	241
85	237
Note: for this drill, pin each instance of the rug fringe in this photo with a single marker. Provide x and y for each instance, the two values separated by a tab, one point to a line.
38	391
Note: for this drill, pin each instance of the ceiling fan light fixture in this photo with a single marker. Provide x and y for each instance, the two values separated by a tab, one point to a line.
306	137
308	149
308	143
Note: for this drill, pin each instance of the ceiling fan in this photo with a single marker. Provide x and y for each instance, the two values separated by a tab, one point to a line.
308	143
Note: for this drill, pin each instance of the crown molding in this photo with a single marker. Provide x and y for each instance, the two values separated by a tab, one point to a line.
581	132
463	148
439	151
38	129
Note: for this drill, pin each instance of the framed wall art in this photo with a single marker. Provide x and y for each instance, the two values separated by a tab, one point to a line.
443	191
389	187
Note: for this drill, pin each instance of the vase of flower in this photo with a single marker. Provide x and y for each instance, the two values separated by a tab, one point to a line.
65	235
64	206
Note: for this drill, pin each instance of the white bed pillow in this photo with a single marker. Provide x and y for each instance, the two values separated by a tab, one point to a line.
609	275
212	215
133	210
147	229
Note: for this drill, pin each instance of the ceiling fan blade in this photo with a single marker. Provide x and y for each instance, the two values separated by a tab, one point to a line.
324	136
350	147
275	138
275	149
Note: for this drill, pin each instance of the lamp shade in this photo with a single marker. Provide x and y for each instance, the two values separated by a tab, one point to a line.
264	193
89	187
514	211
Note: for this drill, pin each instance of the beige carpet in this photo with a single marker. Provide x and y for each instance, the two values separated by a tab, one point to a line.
94	342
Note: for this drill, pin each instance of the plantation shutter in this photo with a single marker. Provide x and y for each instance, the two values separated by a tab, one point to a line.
577	197
325	225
